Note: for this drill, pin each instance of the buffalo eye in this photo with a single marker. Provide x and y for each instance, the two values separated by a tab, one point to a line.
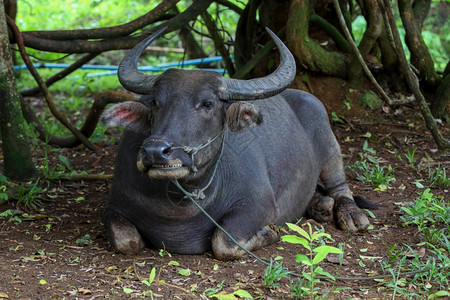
207	104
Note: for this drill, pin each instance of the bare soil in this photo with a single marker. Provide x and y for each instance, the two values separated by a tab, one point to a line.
60	251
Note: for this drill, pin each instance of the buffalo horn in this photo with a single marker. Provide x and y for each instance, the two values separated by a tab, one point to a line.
129	76
259	88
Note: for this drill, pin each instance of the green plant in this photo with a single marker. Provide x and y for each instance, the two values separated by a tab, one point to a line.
438	176
374	174
210	291
59	171
431	215
84	240
149	282
369	170
410	156
273	273
11	215
428	212
316	254
28	194
336	118
3	184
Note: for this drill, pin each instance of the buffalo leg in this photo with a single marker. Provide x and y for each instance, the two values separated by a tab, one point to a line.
348	215
224	249
123	235
321	208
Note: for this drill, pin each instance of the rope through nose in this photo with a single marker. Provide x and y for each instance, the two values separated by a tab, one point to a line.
194	150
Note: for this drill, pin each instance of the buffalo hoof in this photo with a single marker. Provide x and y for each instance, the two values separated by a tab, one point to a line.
124	237
224	249
321	208
349	216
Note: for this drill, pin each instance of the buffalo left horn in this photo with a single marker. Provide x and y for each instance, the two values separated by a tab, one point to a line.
264	87
129	76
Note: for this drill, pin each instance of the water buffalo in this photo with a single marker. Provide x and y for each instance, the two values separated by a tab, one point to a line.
250	152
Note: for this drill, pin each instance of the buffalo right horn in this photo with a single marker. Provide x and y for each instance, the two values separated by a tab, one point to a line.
264	87
129	76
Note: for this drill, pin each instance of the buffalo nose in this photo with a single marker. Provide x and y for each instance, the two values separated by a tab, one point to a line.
156	149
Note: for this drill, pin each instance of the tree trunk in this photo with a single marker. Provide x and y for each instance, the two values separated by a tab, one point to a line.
16	149
441	101
368	41
420	56
307	51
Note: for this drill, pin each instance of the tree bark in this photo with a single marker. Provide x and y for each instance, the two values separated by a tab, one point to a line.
441	100
307	51
368	41
420	56
16	147
413	83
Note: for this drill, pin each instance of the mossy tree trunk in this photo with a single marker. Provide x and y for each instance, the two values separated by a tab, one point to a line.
16	148
306	50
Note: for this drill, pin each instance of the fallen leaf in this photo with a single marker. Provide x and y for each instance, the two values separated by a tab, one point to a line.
412	254
335	260
84	291
4	295
184	272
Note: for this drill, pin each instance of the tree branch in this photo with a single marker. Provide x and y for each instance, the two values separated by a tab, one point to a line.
84	46
101	100
218	42
60	75
155	15
41	83
413	83
359	57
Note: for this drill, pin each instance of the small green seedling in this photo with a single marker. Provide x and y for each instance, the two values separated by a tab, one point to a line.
316	254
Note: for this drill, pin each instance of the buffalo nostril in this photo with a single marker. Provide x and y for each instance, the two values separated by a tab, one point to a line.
155	149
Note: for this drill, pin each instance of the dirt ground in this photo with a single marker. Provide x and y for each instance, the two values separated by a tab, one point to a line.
61	250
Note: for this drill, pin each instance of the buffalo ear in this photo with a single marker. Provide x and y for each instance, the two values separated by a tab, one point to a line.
241	115
131	115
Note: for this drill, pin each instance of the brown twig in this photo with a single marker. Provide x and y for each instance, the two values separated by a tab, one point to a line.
60	75
41	83
361	59
87	177
101	100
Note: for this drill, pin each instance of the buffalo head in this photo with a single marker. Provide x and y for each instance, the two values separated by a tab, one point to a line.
183	113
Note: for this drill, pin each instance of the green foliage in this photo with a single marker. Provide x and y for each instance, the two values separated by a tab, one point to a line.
431	214
12	217
56	172
369	170
438	176
434	35
316	254
370	100
84	240
148	282
211	291
410	156
335	118
273	273
239	294
28	194
3	184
